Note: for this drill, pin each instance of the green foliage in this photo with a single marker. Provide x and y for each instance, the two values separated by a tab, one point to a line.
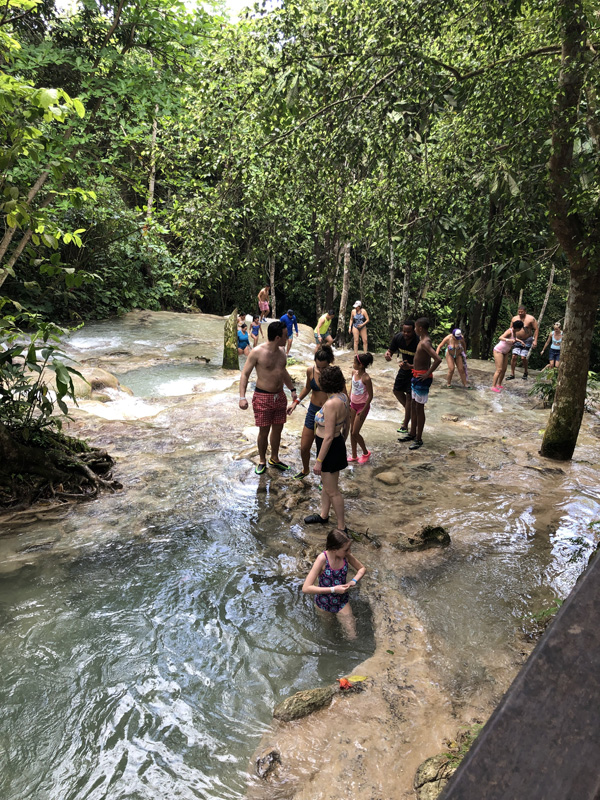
544	386
27	403
546	382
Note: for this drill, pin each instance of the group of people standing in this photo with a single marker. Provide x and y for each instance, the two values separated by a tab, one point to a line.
333	415
520	339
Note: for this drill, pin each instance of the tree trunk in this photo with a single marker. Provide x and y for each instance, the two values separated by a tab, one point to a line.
405	290
272	282
488	334
341	327
579	239
230	343
392	283
475	330
545	303
560	436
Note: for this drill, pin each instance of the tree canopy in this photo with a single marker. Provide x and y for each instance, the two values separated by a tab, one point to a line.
424	156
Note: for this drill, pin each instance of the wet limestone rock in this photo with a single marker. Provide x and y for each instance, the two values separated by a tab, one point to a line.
450	417
429	536
230	350
389	478
267	761
432	776
304	703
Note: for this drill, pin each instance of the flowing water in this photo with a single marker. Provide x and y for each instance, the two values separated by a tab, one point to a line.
146	636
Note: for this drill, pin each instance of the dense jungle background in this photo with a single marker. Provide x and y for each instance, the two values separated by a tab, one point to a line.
157	156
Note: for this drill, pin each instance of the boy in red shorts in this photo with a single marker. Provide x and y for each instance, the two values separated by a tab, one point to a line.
269	402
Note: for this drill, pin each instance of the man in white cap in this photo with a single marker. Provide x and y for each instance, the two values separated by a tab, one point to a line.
358	325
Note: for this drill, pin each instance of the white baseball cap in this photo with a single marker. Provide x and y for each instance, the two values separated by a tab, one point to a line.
357	304
458	333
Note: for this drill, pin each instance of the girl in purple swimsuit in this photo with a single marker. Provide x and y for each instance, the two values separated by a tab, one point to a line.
331	568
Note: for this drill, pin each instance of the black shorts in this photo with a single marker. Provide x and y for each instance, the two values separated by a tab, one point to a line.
336	459
403	379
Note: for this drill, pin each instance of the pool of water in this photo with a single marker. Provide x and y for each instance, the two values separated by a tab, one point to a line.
174	380
150	669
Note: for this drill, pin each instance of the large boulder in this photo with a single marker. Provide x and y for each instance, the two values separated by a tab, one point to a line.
433	775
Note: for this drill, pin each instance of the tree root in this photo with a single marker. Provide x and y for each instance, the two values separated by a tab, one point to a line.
53	467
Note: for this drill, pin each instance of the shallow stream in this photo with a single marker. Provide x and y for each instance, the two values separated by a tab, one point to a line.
146	636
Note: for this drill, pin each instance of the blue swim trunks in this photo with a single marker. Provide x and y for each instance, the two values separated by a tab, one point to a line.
420	389
309	421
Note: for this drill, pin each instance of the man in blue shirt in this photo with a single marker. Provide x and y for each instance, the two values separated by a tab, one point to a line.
290	321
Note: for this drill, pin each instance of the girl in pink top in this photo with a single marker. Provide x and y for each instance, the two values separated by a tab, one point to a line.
360	403
501	352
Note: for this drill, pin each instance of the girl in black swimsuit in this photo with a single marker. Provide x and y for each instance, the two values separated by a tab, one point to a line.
323	358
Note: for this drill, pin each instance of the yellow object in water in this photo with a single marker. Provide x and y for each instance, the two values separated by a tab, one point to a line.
357	678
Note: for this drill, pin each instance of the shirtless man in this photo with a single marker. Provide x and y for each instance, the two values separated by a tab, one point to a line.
269	402
527	341
263	303
405	344
425	363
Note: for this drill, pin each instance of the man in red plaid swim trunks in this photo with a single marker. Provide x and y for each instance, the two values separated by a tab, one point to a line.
269	402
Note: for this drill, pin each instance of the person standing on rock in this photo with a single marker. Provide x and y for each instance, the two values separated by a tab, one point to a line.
425	363
291	323
263	303
359	320
501	351
331	431
332	590
404	343
554	340
523	348
269	402
323	358
456	356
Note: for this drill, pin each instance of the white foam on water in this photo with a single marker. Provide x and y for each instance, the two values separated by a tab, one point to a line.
122	407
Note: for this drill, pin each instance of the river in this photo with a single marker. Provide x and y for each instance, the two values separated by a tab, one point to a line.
146	636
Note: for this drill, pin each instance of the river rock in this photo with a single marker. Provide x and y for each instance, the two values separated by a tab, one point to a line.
429	536
304	703
267	761
450	418
432	776
389	478
100	397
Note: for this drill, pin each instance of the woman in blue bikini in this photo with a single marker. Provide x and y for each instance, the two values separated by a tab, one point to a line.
331	568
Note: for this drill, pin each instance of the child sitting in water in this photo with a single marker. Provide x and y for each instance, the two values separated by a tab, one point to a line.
331	568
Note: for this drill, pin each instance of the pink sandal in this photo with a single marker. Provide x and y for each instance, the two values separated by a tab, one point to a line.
364	458
352	458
